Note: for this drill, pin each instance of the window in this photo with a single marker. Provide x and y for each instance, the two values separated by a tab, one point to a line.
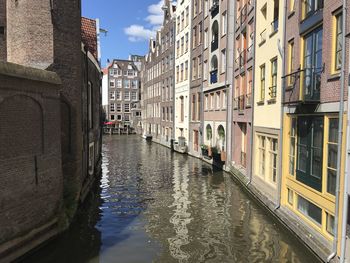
186	36
292	140
186	70
119	83
187	15
206	8
206	102
223	60
178	48
330	224
194	37
182	72
126	95
310	210
223	23
313	64
338	42
112	118
273	88
310	151
224	99
199	75
119	107
212	101
112	107
206	38
311	6
112	95
112	83
274	24
290	197
290	62
200	31
194	69
134	84
127	117
332	153
126	84
193	107
134	95
90	104
218	100
182	45
261	140
91	158
205	70
182	20
126	107
199	106
182	109
273	160
177	73
262	82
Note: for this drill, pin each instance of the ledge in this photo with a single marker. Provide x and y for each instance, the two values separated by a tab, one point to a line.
19	71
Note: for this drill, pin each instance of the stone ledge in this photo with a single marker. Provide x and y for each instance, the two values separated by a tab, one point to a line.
19	71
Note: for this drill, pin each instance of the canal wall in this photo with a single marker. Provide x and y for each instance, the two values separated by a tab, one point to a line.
307	235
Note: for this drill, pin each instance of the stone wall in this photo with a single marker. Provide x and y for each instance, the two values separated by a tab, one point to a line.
30	157
2	30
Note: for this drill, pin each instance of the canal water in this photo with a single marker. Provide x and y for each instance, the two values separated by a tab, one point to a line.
153	205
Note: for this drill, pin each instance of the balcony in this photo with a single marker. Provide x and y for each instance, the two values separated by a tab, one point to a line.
243	14
238	22
241	100
237	63
242	59
214	45
274	26
262	37
250	6
250	52
214	10
213	76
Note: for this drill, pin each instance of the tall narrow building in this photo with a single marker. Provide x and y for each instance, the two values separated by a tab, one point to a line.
196	51
313	84
243	85
268	61
182	75
158	86
3	51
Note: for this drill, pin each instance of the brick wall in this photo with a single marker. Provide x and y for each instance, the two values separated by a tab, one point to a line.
30	164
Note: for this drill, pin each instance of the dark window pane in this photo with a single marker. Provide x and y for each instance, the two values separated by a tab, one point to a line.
332	155
333	130
317	163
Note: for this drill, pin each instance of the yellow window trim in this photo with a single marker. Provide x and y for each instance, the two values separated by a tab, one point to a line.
334	41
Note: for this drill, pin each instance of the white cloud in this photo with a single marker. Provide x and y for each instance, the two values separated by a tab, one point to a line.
154	21
137	33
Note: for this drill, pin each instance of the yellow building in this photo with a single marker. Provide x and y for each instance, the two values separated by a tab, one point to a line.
267	96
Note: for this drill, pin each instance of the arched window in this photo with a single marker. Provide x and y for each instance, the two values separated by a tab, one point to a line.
220	138
209	132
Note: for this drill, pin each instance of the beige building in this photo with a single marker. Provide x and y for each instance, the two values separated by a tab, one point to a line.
267	96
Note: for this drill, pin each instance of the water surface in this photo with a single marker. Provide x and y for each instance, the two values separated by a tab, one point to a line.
152	205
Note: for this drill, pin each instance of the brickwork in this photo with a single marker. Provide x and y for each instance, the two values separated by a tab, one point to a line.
30	164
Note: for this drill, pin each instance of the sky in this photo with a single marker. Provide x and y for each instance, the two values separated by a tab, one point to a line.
130	24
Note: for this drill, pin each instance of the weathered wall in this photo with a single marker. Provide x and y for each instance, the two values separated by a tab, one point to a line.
30	151
2	30
30	33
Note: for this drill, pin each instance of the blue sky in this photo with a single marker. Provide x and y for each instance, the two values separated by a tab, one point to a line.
130	23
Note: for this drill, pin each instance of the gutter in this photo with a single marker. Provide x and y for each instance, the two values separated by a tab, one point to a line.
280	162
339	150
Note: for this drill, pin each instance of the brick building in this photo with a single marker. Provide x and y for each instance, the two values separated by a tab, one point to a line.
124	81
158	85
57	152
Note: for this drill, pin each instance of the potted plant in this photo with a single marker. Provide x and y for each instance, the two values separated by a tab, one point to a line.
204	149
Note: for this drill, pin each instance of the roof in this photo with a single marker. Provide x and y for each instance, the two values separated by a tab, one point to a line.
89	35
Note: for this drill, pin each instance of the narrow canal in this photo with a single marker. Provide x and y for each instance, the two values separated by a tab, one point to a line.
153	205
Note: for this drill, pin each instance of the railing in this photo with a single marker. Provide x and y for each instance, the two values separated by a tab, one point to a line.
273	92
238	22
243	14
214	45
237	63
263	36
242	58
213	76
243	159
241	102
250	52
214	10
274	25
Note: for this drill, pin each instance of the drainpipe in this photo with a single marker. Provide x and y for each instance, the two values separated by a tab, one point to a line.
340	142
229	72
253	94
280	163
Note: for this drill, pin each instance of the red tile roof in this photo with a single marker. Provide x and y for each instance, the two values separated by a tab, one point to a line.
89	35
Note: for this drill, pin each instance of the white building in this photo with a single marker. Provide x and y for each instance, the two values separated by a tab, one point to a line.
182	72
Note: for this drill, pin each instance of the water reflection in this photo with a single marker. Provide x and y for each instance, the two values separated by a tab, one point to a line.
156	206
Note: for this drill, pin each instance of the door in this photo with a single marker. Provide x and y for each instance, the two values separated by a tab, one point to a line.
310	151
195	140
